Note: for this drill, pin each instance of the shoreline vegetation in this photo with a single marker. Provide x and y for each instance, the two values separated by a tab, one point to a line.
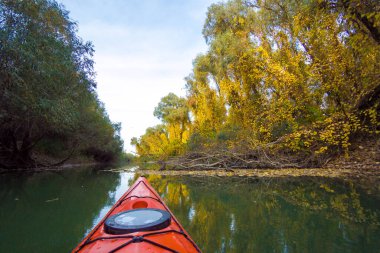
363	154
283	84
371	176
362	165
50	113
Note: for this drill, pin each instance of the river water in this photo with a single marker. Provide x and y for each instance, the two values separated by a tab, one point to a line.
53	211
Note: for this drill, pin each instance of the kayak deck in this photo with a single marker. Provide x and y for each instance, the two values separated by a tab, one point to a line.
140	196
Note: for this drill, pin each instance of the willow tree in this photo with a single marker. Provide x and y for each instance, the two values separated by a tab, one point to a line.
294	77
46	80
284	69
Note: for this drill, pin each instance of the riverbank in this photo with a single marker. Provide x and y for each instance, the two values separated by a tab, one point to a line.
363	155
49	168
369	175
367	178
49	163
362	163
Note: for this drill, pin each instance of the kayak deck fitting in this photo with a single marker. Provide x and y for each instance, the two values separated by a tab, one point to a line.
138	222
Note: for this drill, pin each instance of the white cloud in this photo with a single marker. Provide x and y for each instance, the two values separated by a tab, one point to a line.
140	58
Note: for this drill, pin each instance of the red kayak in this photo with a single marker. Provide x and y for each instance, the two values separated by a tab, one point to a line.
138	222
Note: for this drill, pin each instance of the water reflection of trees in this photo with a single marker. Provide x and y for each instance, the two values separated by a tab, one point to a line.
51	212
245	215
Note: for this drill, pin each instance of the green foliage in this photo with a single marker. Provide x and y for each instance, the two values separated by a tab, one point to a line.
172	109
47	85
128	157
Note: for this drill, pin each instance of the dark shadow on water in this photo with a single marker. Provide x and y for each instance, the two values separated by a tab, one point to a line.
51	211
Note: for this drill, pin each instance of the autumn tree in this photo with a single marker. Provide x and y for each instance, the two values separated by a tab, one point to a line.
287	70
174	112
170	137
298	78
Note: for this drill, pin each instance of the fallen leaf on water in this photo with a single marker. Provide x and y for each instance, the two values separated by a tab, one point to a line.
51	200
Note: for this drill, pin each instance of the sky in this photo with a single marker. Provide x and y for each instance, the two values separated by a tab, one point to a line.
143	50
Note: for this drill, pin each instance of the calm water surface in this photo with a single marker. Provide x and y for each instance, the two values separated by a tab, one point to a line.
53	211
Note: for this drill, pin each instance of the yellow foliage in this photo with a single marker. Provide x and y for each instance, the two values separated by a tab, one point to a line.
295	74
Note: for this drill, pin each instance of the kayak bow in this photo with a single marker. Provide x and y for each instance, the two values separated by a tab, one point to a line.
138	222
